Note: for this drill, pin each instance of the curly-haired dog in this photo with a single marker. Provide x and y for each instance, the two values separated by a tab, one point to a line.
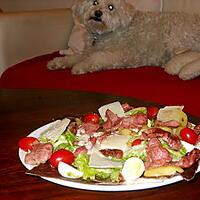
122	37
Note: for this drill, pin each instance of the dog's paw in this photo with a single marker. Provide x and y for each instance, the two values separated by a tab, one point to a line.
190	71
57	63
51	65
175	65
78	70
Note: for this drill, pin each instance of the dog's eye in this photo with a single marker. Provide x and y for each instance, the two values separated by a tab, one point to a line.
95	3
110	7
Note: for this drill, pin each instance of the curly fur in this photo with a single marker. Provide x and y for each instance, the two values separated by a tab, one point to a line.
122	37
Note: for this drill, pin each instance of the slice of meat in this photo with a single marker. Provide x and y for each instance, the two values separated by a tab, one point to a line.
172	141
80	150
156	154
133	121
112	120
188	160
126	107
40	153
189	173
116	153
89	128
171	123
73	127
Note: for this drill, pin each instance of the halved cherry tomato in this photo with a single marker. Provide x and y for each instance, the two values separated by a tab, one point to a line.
26	143
91	117
61	155
152	112
188	135
136	142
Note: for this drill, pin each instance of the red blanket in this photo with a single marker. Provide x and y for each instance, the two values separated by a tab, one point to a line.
148	83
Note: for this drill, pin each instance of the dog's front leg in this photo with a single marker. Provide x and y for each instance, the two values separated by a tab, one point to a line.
101	60
64	61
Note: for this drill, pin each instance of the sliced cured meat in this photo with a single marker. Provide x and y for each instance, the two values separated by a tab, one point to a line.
156	154
188	160
171	123
40	153
89	128
126	107
116	153
133	121
80	150
112	120
172	141
73	127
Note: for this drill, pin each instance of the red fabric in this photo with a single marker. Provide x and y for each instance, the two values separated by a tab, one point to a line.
148	83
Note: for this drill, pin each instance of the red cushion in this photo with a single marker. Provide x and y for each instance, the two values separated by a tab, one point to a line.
148	83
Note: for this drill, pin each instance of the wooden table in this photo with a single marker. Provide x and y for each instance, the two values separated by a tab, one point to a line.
22	111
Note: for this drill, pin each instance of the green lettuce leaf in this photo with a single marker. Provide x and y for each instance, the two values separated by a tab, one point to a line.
138	151
136	111
176	155
65	141
82	163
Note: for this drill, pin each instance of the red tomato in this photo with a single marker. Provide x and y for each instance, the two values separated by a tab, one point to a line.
26	143
188	135
61	155
91	117
152	112
136	142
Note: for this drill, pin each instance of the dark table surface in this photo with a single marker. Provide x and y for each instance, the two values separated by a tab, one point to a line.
22	111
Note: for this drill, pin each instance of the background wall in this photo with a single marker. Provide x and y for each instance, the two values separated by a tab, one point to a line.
19	5
172	5
191	6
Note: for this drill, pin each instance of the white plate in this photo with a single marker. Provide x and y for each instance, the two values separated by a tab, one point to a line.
140	184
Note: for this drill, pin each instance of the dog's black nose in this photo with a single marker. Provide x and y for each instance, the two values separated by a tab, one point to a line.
98	13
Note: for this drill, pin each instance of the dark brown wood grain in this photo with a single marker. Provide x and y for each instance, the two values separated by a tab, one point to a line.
22	111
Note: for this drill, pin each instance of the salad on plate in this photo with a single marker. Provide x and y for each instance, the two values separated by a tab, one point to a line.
119	144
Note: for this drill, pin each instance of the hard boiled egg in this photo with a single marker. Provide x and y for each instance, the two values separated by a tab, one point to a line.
68	171
133	168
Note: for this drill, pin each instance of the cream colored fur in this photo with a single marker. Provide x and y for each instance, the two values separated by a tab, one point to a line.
118	36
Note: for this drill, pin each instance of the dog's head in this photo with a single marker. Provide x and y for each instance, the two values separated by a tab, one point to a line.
102	16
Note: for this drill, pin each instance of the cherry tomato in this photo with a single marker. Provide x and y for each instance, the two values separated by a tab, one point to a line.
152	112
188	135
26	143
136	142
61	155
91	117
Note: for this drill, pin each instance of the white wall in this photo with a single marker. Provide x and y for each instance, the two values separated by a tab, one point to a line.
172	5
19	5
191	6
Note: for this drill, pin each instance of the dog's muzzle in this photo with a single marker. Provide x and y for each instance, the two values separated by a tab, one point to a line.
97	16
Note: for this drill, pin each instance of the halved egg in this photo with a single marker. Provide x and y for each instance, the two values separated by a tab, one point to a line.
133	169
68	171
